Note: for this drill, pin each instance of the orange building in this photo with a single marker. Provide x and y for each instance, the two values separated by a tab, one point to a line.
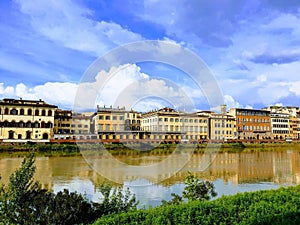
252	123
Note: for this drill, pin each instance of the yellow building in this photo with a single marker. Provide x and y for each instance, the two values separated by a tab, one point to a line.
23	120
116	124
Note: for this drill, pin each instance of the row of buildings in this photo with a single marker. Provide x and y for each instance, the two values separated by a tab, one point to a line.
31	120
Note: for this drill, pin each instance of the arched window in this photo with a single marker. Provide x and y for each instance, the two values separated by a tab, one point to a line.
36	124
45	136
43	124
21	124
36	112
6	111
49	112
49	125
28	124
13	112
12	124
5	123
21	111
29	112
43	112
28	134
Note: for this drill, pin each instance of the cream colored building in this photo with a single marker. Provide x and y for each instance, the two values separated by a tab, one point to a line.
81	124
24	120
169	124
221	127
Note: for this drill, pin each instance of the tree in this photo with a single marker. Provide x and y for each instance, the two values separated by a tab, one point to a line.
114	201
194	189
12	197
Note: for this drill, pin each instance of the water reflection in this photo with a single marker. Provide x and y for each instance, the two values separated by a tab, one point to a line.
231	173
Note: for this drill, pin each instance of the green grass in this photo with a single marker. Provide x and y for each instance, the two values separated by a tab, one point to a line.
281	206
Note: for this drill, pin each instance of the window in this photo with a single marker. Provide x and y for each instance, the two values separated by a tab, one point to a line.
13	112
166	119
29	112
6	111
114	117
21	111
101	117
107	117
43	112
121	117
49	112
36	112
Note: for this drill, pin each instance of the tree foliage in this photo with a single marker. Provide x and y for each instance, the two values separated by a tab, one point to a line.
194	189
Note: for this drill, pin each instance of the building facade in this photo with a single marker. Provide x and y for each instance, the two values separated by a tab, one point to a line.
63	121
167	124
116	124
26	120
222	127
280	126
252	123
81	123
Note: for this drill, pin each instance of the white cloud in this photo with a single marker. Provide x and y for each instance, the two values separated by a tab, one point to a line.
294	88
230	102
61	94
128	86
70	24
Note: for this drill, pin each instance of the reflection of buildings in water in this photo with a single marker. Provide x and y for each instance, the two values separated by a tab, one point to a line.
43	172
279	167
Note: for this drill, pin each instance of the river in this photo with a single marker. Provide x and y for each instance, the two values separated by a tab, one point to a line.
154	177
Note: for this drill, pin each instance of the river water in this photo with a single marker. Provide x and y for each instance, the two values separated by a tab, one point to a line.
153	178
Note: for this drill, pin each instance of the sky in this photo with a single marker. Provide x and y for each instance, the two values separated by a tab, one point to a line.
251	48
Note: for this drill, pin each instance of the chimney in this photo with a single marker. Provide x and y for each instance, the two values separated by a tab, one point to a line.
223	109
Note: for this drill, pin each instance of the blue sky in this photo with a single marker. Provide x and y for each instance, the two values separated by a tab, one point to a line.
252	48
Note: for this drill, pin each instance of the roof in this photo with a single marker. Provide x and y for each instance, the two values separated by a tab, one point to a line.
21	102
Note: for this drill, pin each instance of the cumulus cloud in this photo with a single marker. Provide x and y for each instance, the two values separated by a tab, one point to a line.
61	94
127	86
230	102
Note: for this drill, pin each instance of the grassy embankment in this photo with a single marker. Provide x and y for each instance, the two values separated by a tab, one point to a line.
281	206
55	149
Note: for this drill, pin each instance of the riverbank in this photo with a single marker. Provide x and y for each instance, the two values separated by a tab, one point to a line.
58	149
281	206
